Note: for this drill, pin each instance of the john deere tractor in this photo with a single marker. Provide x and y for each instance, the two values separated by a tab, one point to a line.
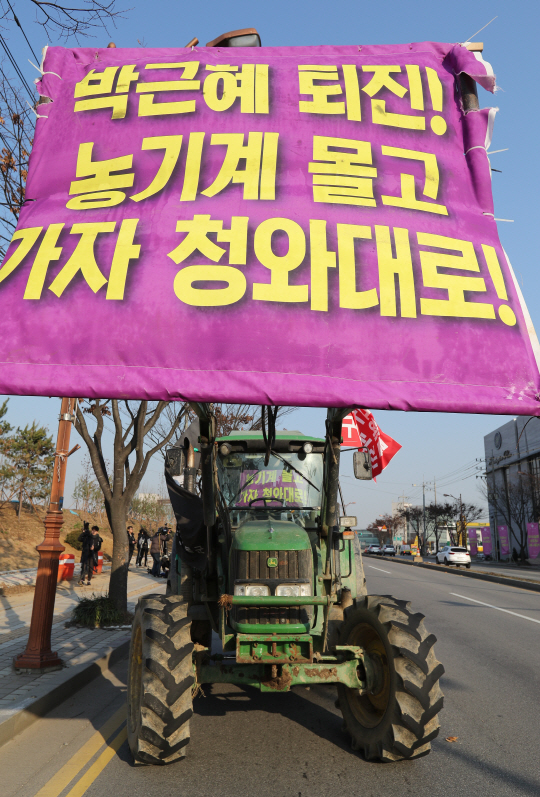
262	560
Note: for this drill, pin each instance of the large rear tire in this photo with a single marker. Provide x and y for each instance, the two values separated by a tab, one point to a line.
160	680
398	718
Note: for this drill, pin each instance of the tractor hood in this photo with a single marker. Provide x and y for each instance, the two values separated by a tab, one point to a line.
271	535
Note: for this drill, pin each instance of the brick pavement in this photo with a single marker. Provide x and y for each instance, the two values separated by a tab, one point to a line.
78	647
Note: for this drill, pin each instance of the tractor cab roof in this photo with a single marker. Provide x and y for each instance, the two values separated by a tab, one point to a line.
285	441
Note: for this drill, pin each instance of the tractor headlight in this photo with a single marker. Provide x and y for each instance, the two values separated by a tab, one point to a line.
293	590
252	590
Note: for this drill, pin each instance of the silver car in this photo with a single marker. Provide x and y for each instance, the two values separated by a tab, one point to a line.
454	555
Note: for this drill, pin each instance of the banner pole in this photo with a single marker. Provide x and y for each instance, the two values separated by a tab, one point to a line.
38	654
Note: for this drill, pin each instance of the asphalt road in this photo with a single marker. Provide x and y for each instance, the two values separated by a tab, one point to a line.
245	744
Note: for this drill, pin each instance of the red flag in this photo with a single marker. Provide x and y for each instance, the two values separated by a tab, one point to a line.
360	430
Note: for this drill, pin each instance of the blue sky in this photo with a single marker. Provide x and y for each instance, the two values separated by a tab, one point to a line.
433	444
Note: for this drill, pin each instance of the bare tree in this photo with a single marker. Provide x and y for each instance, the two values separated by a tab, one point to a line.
513	500
16	132
130	461
63	21
439	516
385	527
463	514
413	516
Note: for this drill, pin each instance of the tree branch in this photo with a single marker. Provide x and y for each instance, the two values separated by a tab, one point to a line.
96	456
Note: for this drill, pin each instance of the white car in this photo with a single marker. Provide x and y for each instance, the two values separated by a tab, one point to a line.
453	555
373	549
388	550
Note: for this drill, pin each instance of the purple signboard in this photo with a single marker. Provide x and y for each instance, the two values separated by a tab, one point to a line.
302	226
533	540
487	546
473	541
272	488
504	541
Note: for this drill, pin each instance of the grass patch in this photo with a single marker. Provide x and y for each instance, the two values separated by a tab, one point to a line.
98	611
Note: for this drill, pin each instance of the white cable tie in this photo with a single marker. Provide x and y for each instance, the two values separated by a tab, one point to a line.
512	220
494	151
38	115
478	146
40	70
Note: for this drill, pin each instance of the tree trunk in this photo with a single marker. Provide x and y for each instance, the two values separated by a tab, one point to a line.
20	502
117	517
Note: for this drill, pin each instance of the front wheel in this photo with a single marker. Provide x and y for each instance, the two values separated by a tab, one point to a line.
397	718
160	680
446	563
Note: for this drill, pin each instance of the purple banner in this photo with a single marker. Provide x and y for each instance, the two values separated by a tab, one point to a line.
302	226
276	487
473	541
487	547
533	540
504	542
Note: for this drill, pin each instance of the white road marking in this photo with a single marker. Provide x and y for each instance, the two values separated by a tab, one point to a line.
489	605
379	569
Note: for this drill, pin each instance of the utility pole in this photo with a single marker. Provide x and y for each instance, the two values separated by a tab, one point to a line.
38	654
423	547
462	535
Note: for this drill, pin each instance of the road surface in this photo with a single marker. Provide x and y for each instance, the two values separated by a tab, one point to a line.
245	744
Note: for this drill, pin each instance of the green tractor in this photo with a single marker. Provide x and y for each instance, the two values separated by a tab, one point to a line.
262	559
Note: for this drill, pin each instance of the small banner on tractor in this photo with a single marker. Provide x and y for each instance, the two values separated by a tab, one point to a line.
299	226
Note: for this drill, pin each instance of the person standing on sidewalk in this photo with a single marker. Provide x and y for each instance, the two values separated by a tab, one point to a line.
156	546
131	540
96	548
142	548
87	555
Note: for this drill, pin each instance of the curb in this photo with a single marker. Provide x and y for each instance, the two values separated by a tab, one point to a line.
22	717
509	582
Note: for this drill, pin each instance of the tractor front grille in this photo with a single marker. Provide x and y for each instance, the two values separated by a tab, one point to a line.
252	566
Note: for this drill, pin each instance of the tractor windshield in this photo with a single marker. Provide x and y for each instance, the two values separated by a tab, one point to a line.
289	481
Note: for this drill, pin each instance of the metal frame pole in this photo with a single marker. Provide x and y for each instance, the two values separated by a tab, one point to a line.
38	654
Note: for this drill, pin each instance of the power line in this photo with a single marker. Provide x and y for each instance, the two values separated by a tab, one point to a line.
16	67
22	31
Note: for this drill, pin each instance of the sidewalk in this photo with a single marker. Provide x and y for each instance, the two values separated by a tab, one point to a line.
85	652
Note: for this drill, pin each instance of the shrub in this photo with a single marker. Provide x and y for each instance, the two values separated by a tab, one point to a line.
72	538
97	612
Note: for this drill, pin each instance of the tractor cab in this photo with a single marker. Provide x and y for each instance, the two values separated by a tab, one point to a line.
283	484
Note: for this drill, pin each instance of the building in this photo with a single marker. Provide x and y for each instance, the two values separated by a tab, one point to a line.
366	537
512	459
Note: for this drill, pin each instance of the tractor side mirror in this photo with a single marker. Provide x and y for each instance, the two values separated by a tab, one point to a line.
348	522
362	465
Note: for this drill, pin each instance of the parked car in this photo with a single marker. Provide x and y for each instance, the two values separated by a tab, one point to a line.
376	549
388	550
405	550
454	555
